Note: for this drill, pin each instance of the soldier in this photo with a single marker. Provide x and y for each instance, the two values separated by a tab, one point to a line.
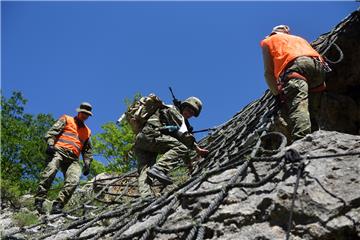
295	73
66	139
166	133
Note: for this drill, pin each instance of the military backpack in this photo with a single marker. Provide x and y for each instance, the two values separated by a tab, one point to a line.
140	111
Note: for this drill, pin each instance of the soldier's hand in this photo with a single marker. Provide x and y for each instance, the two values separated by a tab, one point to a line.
201	151
190	167
86	169
50	150
280	98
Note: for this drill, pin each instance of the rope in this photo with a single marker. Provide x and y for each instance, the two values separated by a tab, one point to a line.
292	156
299	172
333	155
341	55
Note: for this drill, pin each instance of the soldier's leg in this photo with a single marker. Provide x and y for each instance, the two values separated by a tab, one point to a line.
296	92
145	160
72	173
174	152
315	110
313	70
47	177
310	68
316	79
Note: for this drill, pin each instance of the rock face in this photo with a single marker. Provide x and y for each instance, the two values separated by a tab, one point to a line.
328	197
237	201
245	187
341	102
327	204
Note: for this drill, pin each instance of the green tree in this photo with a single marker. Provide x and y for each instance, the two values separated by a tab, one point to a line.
22	145
116	142
115	145
96	168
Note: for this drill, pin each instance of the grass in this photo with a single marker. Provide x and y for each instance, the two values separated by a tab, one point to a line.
180	175
23	219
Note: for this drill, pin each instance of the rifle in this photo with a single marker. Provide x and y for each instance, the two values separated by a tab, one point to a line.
204	130
177	103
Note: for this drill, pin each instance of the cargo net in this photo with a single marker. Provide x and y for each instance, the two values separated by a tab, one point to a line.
244	154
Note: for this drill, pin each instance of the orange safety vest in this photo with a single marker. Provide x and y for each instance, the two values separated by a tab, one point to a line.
284	48
73	137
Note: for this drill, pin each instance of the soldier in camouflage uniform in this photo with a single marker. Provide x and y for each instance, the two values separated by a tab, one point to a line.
164	134
67	139
295	73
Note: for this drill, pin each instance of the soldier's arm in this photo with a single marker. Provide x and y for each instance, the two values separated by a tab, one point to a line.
172	117
269	70
154	120
87	152
54	131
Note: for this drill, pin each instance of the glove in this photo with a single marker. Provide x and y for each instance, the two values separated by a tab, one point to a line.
280	98
50	150
86	169
170	128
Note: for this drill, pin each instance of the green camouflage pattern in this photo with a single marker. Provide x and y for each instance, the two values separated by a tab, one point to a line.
150	142
72	172
64	160
299	115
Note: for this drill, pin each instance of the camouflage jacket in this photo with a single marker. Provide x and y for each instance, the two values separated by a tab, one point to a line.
170	116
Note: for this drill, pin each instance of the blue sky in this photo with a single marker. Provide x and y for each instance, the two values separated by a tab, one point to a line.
59	54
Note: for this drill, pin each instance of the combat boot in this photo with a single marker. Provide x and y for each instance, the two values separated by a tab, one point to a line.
39	206
57	208
159	175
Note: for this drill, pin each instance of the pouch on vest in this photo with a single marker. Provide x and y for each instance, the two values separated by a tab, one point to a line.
140	111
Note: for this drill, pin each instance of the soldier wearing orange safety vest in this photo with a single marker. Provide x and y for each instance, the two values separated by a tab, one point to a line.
67	139
295	74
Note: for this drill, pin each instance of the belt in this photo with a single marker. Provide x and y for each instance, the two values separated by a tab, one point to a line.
318	88
291	75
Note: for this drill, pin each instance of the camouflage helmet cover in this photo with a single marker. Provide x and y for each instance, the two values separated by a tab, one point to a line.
194	103
281	28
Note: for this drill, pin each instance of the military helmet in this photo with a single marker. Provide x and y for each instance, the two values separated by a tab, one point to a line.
194	103
85	107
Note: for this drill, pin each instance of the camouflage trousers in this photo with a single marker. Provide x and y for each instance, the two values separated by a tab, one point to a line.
299	114
148	145
72	172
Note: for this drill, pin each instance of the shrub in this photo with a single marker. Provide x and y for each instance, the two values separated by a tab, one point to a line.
24	218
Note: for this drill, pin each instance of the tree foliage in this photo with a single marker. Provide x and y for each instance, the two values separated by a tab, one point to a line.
22	144
96	168
115	144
